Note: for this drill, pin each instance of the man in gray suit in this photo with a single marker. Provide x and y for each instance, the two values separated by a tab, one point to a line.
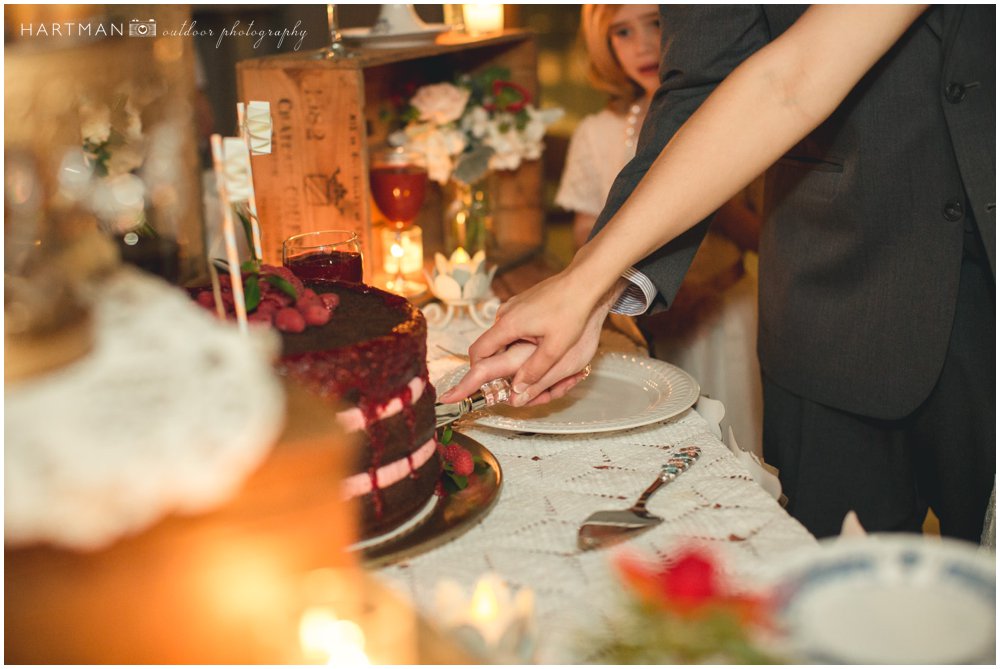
877	320
877	266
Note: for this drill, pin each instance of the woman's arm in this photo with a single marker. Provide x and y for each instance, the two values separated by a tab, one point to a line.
582	225
768	104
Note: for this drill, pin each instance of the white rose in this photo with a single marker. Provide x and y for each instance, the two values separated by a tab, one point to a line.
476	122
507	144
124	159
440	103
95	122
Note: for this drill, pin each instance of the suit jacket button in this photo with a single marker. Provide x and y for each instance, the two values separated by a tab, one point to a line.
953	210
954	93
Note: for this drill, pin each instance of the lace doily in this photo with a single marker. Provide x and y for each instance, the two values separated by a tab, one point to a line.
169	413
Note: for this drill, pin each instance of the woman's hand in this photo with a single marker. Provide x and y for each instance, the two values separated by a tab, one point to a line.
562	319
503	365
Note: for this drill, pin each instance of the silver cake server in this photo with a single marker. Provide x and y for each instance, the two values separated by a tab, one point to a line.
605	528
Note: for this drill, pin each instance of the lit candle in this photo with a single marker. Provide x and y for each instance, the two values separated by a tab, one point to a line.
403	250
327	639
483	18
495	623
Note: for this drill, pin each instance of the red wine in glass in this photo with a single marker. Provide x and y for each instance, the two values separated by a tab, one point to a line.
324	255
399	191
327	266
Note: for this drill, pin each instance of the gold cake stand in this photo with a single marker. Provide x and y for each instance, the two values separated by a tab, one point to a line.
452	515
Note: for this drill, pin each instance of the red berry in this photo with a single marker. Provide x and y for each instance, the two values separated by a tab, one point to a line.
206	299
289	320
265	317
330	300
463	464
460	459
269	307
316	314
285	274
307	294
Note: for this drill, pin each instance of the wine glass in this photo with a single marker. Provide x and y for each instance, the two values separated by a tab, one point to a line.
399	185
324	255
336	49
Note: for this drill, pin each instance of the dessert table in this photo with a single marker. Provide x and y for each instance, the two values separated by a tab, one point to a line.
551	483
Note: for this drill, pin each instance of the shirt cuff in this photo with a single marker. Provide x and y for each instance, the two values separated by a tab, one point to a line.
638	296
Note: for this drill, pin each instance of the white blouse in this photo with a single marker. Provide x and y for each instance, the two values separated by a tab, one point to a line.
597	153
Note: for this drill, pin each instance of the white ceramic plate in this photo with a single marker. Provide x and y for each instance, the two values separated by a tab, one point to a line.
622	392
364	36
892	599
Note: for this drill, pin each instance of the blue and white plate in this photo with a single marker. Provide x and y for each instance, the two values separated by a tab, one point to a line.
891	599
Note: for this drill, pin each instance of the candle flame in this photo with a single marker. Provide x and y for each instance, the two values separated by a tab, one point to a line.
485	606
460	256
337	642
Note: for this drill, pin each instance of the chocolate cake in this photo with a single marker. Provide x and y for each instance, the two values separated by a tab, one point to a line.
372	354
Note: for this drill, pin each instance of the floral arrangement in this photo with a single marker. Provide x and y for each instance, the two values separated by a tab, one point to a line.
479	123
682	612
113	146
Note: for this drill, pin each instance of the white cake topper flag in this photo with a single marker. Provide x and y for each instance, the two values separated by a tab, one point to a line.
257	126
236	165
219	164
254	121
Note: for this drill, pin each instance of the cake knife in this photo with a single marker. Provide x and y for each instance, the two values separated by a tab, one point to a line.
493	392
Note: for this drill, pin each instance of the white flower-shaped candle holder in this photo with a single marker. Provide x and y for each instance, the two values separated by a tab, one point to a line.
496	623
463	285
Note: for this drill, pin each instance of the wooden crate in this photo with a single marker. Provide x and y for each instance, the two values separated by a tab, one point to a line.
328	113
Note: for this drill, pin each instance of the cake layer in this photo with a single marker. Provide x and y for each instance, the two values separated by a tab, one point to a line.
374	344
395	437
384	510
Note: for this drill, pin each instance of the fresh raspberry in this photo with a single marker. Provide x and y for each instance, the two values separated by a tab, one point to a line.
264	317
330	300
285	274
206	299
463	464
289	320
308	294
268	307
460	459
316	314
304	303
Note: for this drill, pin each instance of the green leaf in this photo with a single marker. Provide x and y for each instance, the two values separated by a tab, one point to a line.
247	230
250	267
473	166
454	483
447	435
282	284
251	292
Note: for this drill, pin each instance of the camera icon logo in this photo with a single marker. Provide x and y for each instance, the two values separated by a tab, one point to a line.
137	28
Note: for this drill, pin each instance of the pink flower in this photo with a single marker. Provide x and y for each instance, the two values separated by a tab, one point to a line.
440	103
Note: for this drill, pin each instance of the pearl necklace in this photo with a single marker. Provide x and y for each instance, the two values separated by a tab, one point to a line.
631	125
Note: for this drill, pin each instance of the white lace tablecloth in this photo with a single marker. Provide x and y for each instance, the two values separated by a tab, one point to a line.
551	483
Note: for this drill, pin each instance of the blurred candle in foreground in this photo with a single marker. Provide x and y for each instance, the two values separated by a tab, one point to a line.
482	18
325	638
495	623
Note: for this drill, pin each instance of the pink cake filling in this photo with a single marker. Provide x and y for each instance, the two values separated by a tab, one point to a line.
353	420
387	475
